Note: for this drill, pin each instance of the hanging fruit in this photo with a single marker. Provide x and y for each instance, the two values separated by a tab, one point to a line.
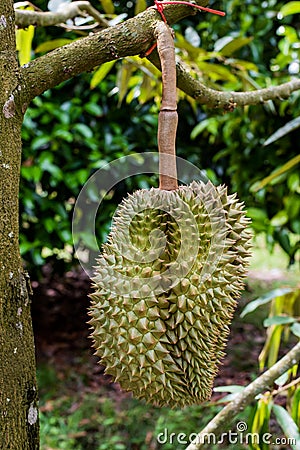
167	280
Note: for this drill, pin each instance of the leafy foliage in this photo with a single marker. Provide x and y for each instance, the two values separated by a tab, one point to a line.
282	320
68	133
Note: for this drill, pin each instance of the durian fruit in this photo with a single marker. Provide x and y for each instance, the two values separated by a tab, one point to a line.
165	291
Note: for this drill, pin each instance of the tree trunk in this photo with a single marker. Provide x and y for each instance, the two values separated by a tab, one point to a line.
19	429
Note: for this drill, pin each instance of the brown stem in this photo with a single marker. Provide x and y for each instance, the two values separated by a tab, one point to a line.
168	118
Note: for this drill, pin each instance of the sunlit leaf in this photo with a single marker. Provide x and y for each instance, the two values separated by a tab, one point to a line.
55	5
232	388
278	320
89	240
24	40
280	219
295	407
211	125
117	19
229	46
217	72
222	42
108	6
84	130
245	65
140	6
52	45
262	414
290	8
287	425
281	381
252	306
101	73
275	174
123	77
192	36
274	344
295	328
287	128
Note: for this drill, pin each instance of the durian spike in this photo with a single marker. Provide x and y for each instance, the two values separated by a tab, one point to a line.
168	117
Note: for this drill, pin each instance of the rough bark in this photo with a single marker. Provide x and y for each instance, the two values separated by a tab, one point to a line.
18	391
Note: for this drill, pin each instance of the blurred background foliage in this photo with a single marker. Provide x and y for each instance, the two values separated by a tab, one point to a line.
74	129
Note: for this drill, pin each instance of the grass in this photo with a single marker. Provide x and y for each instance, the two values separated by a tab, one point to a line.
96	422
86	419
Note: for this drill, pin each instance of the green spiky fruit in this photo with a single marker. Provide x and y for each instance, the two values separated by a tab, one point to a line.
166	285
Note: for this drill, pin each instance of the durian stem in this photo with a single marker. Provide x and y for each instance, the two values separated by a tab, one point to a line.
220	423
168	118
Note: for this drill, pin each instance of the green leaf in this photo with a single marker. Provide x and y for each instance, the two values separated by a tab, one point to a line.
257	214
222	42
281	381
40	141
93	109
84	130
283	238
101	73
24	40
295	329
281	218
278	320
287	128
229	46
273	345
293	182
232	388
108	6
288	426
290	8
217	72
89	240
252	306
65	135
52	45
261	417
140	6
275	174
123	78
295	407
31	173
212	125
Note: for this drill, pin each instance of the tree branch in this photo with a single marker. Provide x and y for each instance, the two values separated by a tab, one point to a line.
126	39
132	37
223	419
129	38
25	17
227	100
